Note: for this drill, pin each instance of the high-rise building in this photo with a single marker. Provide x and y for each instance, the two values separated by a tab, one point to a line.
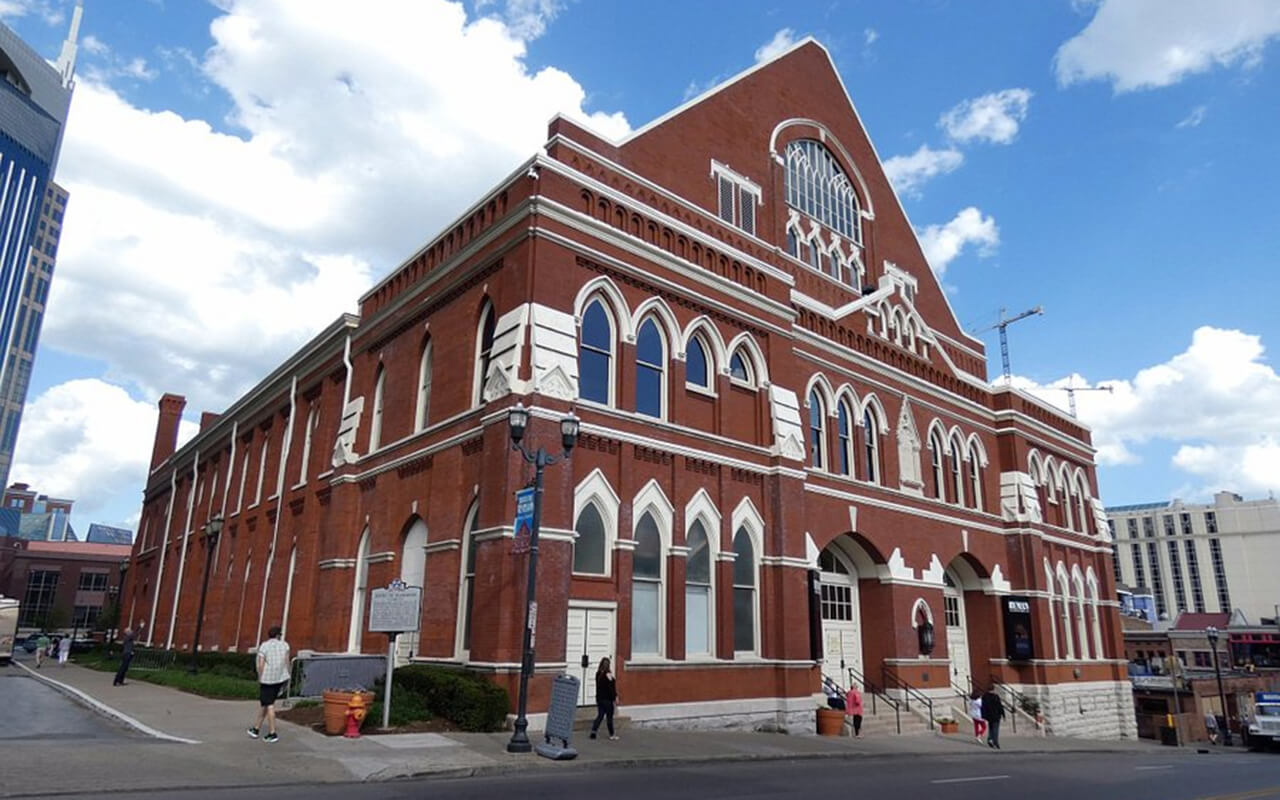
1199	558
34	99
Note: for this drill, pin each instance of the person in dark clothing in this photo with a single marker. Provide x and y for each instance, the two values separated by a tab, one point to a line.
126	656
992	712
606	698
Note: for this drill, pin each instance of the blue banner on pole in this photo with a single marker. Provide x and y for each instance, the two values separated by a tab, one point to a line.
524	520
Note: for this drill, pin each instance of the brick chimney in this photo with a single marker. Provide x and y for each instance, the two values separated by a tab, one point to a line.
207	418
171	406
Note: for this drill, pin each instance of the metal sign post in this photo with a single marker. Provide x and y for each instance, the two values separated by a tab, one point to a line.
394	610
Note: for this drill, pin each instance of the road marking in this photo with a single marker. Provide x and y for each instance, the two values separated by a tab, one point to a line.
970	780
1157	766
1274	791
103	708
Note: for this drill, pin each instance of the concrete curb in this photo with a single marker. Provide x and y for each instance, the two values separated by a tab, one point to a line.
104	709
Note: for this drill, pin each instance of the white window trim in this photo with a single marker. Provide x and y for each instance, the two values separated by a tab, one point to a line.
375	418
710	361
422	409
477	391
664	368
611	315
741	185
306	442
359	587
595	488
746	517
468	522
651	499
262	472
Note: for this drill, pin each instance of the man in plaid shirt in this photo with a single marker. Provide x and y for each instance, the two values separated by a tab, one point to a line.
273	674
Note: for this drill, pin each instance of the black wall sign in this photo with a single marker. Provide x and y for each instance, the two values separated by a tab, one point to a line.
1018	644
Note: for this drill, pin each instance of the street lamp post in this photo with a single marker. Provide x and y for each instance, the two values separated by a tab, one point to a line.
124	568
1212	633
518	420
212	529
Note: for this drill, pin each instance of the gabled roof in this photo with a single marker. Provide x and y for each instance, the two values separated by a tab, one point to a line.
1197	622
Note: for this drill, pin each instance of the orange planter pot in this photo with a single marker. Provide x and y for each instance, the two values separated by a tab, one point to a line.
830	722
335	709
950	727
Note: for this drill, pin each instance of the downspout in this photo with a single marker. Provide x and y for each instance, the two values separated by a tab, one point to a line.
164	547
182	559
275	527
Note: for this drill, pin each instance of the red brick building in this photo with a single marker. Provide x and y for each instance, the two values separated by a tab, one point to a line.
773	390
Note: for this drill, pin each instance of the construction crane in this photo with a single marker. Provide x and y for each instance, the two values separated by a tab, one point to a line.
1071	393
1002	325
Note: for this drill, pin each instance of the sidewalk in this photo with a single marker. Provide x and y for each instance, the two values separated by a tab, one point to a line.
196	741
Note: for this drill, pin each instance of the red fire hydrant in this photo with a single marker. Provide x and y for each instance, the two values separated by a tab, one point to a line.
355	715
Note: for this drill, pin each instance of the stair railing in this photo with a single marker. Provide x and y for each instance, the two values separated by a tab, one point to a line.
1018	702
878	695
908	691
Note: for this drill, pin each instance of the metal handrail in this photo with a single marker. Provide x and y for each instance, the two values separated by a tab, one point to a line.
1017	700
877	692
909	691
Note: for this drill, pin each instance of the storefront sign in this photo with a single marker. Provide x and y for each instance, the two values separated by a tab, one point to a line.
1018	643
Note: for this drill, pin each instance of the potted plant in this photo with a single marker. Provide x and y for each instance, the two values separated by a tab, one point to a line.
335	708
948	724
830	721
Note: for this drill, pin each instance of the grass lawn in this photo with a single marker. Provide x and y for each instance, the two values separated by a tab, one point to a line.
206	684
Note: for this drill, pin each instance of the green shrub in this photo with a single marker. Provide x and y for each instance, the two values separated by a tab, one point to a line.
467	700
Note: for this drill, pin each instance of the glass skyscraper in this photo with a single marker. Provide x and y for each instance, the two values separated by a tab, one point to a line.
34	98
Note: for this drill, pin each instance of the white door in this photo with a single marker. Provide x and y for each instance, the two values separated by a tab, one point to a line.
589	632
841	623
957	638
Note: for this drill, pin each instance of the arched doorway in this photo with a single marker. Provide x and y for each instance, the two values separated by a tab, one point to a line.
413	571
957	631
841	615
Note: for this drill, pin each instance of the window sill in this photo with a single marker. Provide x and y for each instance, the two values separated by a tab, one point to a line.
700	390
741	384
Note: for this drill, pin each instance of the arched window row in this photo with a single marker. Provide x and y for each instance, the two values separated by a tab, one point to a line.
1064	493
832	256
896	324
957	466
1074	615
854	448
818	187
606	321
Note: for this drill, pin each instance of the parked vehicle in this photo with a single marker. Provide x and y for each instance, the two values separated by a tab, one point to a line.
1264	728
8	628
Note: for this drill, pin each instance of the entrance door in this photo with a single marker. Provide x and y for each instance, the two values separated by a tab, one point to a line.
589	632
841	624
957	638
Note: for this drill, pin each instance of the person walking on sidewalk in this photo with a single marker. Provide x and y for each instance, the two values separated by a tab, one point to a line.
853	707
126	656
42	648
64	650
606	698
273	674
975	712
992	713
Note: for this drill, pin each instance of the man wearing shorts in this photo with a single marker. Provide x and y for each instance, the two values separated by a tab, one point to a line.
273	674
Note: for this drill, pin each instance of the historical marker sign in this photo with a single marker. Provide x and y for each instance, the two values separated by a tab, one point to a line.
395	609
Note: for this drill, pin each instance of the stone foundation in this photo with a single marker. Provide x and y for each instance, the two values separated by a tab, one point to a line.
780	715
1099	710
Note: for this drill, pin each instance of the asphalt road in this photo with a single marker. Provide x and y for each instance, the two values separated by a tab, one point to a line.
1067	776
33	711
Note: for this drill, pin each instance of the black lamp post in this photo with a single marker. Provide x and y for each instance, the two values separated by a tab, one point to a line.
1212	633
519	422
124	568
212	529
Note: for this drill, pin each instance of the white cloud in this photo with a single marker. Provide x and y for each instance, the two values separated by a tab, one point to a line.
1145	44
942	243
81	440
993	117
355	143
1218	401
1193	119
527	19
781	40
909	173
869	36
93	45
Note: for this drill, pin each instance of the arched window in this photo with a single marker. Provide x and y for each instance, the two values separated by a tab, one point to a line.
1081	517
1081	627
957	488
1053	619
413	571
744	593
935	456
306	441
484	349
740	367
468	578
359	586
871	444
698	605
262	471
818	187
595	358
1066	612
697	372
375	419
589	546
817	430
844	431
646	589
244	474
975	478
651	360
423	412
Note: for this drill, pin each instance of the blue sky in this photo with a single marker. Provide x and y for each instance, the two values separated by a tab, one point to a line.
241	171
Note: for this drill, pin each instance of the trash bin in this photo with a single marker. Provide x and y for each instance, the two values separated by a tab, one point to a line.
1168	736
